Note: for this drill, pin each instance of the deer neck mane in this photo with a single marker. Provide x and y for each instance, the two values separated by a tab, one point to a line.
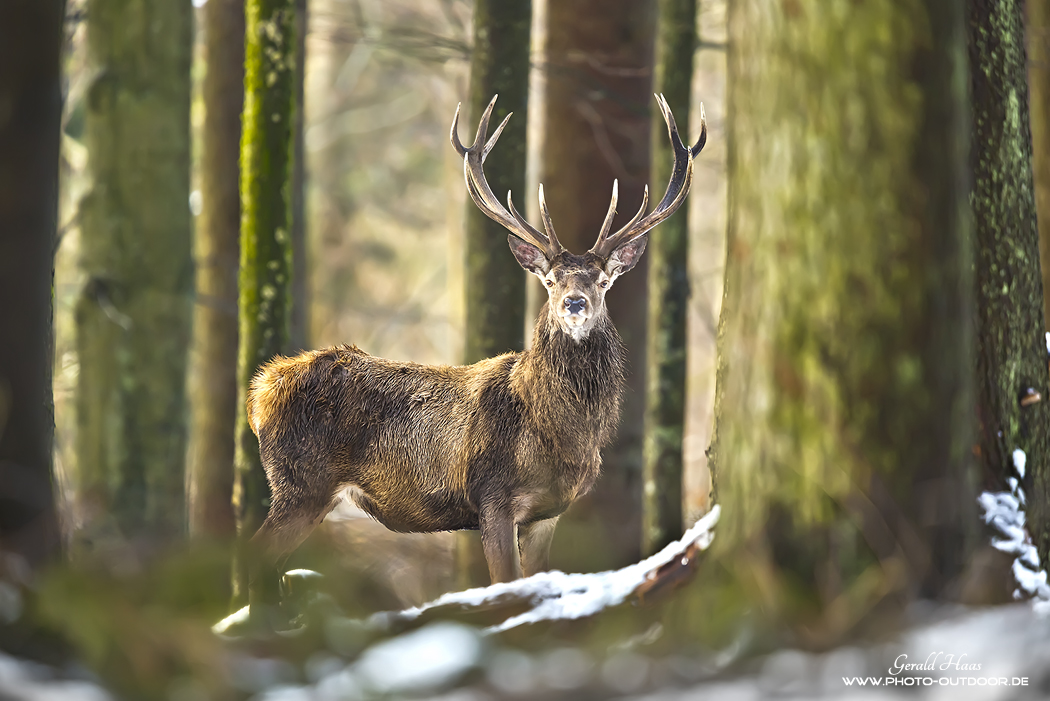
579	383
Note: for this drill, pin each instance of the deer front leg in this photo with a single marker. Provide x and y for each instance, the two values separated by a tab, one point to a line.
534	542
498	540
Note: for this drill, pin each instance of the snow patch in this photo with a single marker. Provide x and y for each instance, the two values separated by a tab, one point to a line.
1004	513
558	596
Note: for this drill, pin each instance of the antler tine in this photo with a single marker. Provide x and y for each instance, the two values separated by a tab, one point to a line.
479	189
607	224
677	188
548	225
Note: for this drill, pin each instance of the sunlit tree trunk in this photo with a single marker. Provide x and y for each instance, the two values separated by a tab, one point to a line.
299	327
494	283
213	375
264	307
842	458
1037	30
668	290
1011	345
594	127
31	91
133	313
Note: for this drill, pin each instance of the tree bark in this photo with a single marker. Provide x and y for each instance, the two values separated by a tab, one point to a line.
31	92
264	307
299	326
1011	345
1037	30
594	127
845	395
133	313
494	283
668	291
213	376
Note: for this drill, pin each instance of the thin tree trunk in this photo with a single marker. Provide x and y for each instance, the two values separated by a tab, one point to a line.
134	311
31	92
594	127
1011	346
299	327
494	283
264	308
845	395
1037	30
668	291
213	376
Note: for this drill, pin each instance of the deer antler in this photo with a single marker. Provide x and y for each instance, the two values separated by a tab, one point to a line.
677	189
481	193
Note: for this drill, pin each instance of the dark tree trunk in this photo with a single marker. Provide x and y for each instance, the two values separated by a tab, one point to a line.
31	93
213	376
133	315
1011	346
844	403
668	290
494	283
264	308
1037	31
595	115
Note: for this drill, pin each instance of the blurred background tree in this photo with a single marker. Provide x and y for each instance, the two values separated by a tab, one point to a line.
844	429
592	106
213	366
31	94
1011	343
133	311
266	224
1037	35
665	397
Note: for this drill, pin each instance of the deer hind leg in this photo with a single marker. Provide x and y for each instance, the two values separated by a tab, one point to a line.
534	542
498	540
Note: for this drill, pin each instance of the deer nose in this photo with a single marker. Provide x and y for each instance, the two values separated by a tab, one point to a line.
575	306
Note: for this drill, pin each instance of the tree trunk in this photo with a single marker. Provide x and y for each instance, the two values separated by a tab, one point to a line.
1011	345
264	307
845	403
594	127
1037	29
668	290
31	92
133	313
299	326
494	283
213	377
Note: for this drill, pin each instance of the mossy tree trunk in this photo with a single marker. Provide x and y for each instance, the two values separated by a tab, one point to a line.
213	376
264	308
1011	345
299	326
594	126
844	417
1037	31
133	313
31	92
494	283
668	290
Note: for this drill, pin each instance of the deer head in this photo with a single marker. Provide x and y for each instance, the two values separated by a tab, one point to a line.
576	285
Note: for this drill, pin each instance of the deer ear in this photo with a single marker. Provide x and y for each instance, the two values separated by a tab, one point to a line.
529	257
626	256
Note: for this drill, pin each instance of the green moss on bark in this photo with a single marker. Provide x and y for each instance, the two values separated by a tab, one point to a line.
133	313
668	253
264	306
1011	348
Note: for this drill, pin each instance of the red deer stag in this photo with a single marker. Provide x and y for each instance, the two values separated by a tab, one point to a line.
504	445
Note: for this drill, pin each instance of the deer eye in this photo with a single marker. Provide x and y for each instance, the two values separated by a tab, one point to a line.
549	283
603	284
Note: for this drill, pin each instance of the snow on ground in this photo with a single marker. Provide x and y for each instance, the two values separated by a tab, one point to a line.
22	680
1004	513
